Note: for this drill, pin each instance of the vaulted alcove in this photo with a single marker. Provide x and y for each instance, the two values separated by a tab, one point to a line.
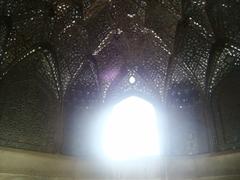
29	107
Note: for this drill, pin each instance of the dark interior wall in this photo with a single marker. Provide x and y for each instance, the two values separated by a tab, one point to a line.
226	109
28	109
187	129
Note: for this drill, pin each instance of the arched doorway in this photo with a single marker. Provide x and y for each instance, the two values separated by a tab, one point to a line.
130	130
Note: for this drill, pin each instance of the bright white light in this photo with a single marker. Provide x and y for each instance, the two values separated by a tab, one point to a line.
131	130
132	79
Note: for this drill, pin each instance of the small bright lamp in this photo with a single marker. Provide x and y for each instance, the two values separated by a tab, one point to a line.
132	79
131	130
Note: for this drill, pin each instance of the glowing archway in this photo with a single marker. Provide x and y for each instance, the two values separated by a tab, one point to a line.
131	130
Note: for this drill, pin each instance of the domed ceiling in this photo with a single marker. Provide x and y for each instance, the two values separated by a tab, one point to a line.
62	59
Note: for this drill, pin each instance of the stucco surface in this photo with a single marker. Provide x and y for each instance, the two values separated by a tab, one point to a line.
26	165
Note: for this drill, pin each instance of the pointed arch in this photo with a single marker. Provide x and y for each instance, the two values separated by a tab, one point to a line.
80	99
51	64
29	105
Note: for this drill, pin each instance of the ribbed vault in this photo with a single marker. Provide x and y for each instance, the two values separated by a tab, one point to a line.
180	50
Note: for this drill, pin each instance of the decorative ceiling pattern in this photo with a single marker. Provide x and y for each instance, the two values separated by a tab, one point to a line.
86	49
190	39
